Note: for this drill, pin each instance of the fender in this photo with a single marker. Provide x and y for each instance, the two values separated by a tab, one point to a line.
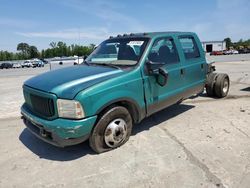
137	113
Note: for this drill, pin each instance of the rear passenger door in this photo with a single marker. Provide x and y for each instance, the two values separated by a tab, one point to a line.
158	97
193	64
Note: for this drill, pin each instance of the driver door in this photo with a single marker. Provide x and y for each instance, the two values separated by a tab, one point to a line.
159	97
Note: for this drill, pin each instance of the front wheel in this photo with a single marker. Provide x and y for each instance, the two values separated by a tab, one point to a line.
112	130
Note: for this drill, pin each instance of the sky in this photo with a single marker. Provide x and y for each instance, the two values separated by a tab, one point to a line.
39	22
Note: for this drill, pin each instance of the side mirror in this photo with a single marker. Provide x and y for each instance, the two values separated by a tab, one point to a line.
85	57
162	77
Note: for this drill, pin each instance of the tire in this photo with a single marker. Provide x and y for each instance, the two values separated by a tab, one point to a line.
210	84
110	122
221	86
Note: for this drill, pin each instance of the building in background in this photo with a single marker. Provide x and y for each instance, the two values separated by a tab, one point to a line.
211	46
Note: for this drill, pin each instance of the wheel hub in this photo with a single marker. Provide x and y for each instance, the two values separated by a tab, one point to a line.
225	86
115	133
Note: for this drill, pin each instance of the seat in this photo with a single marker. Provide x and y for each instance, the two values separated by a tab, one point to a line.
153	57
110	49
127	53
164	54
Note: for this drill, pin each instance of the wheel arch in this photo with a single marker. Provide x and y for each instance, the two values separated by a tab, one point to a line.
132	106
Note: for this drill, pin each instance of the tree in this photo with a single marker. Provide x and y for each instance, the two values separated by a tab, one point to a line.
92	46
43	54
61	49
24	48
53	44
33	52
228	42
57	49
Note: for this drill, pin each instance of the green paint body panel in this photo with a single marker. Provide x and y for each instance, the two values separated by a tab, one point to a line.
135	86
64	128
128	87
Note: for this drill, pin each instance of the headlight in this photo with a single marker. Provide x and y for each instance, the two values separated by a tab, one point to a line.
70	109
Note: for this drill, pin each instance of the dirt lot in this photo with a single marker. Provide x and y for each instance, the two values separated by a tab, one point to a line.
203	142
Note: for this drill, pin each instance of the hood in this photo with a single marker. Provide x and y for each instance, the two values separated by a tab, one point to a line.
67	82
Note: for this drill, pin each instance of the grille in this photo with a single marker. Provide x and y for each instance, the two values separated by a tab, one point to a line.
43	106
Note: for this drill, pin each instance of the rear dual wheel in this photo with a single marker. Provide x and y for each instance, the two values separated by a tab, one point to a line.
217	85
222	84
210	84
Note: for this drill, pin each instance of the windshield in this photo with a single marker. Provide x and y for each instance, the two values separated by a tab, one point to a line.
123	51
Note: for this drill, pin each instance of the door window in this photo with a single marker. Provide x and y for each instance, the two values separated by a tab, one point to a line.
189	47
164	51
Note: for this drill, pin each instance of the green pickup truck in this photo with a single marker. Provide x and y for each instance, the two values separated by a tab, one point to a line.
124	80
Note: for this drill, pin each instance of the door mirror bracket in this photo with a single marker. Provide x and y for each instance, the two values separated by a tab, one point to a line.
156	69
153	66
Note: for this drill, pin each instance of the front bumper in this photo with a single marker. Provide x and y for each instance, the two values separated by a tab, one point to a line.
59	132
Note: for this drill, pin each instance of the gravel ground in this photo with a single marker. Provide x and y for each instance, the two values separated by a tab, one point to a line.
203	142
229	58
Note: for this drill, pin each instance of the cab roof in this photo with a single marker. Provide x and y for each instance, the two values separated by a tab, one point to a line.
152	34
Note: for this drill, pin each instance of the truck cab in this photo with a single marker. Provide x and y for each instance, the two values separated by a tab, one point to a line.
124	80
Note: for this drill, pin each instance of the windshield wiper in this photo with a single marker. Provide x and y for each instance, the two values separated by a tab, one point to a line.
107	65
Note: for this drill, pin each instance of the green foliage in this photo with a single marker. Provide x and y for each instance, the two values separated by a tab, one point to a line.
228	42
58	49
52	44
23	47
237	45
33	52
7	56
243	44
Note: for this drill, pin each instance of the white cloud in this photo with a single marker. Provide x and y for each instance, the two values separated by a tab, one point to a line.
17	23
232	18
86	33
108	11
229	18
223	18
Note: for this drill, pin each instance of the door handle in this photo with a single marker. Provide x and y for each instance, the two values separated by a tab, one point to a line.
202	66
182	71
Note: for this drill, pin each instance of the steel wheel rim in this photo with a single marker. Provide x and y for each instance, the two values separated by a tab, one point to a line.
225	86
115	133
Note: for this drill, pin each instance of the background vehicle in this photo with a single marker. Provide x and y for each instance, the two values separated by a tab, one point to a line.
231	52
37	63
226	52
216	53
235	52
27	64
244	51
17	65
6	65
74	60
117	87
44	61
40	64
